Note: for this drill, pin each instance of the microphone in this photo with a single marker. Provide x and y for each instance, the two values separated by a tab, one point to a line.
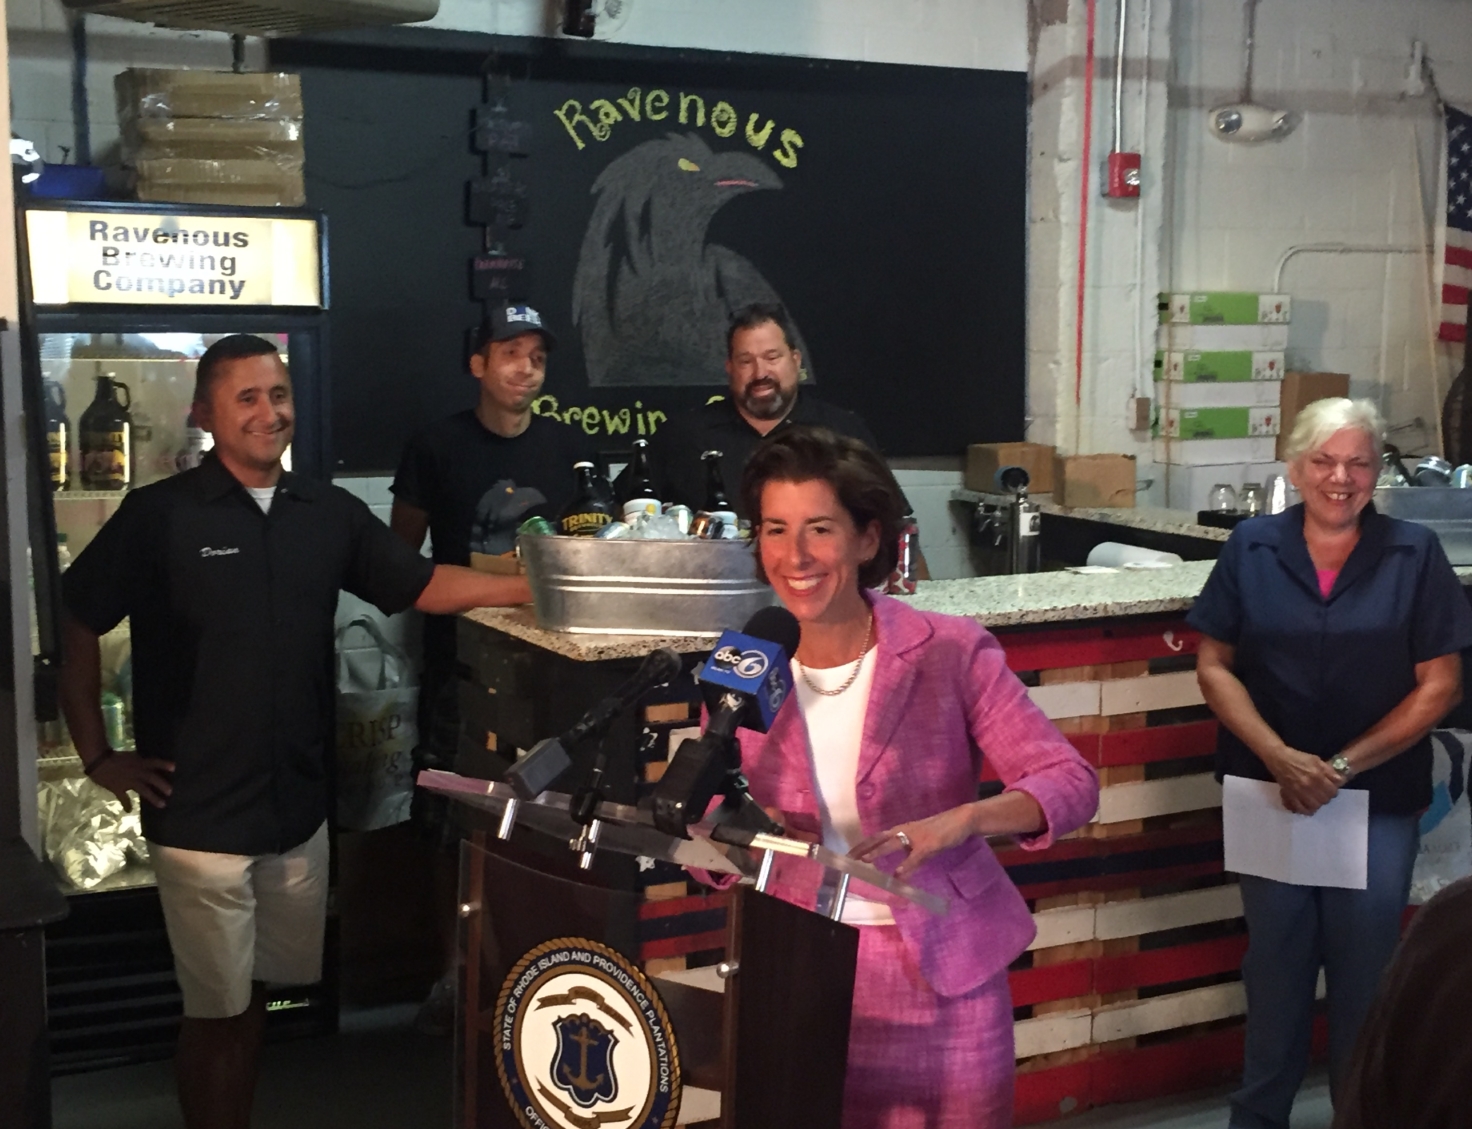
548	759
745	681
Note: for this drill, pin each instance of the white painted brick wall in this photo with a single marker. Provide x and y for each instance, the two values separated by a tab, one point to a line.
951	33
1348	173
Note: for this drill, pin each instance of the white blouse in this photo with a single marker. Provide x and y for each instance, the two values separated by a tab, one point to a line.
835	728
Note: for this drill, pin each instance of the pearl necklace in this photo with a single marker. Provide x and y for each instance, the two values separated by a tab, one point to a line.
853	674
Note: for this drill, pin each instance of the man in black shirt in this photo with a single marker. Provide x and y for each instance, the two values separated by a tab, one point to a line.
470	481
764	370
229	574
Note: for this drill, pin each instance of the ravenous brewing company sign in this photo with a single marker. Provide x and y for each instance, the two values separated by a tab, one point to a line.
133	258
583	1041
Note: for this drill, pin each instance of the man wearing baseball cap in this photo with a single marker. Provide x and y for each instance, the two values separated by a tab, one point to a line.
469	481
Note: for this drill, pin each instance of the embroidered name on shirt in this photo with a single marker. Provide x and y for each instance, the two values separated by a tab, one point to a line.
208	552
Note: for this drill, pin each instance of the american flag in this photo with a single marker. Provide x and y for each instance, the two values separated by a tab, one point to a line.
1457	270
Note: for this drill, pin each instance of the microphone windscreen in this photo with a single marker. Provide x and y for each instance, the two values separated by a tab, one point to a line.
775	625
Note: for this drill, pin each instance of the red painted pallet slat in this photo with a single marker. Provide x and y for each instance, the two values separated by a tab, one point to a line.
673	907
1154	967
683	946
1092	646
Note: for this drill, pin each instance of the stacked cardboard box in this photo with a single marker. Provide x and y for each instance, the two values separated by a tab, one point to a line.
213	137
1219	370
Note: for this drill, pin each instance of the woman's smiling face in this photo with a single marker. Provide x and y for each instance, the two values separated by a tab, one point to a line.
811	550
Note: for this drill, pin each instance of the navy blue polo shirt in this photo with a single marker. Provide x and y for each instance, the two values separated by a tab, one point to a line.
1321	671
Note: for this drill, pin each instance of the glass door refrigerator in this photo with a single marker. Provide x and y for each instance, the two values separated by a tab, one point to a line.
119	303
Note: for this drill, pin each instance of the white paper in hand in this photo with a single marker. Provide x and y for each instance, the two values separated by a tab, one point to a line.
1263	838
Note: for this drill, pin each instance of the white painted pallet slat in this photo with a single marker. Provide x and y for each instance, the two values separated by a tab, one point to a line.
1113	920
1151	692
1066	699
1058	1031
1141	800
1065	925
1165	1013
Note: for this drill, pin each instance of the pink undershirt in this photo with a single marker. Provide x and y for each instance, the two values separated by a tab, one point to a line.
1327	577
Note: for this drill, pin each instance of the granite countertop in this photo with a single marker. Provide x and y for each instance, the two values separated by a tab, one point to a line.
996	601
521	623
1154	518
1055	597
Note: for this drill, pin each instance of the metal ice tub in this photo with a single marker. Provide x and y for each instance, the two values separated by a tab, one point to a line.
1445	510
628	587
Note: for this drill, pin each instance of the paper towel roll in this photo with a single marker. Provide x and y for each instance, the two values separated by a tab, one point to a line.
1111	554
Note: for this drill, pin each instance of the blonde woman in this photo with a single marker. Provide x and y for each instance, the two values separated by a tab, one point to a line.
1333	639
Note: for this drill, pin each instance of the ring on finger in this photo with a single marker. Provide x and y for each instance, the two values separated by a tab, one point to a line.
904	840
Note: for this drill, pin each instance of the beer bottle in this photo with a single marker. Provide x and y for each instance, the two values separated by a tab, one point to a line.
588	511
640	496
105	432
716	502
58	436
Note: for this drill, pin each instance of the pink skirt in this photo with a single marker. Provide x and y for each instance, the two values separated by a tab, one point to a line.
917	1060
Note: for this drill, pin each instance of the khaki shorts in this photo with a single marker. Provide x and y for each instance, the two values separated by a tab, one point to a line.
233	919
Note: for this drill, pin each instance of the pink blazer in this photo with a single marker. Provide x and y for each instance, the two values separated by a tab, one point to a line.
942	699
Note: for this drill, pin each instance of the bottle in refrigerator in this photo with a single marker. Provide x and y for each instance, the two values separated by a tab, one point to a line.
105	433
640	496
717	504
196	442
63	554
589	510
58	436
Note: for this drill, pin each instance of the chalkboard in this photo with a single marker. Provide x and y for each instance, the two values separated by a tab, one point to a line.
883	205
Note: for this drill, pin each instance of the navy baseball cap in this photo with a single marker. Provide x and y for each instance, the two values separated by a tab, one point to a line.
506	322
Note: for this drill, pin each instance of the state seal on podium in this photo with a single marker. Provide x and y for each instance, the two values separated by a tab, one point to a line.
584	1042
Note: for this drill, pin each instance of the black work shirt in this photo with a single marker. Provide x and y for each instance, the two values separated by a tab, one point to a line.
676	447
477	488
231	614
1322	671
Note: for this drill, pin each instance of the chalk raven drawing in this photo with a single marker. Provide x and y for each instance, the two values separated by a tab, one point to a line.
651	297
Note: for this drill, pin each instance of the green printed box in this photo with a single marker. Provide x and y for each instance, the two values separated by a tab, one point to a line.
1231	367
1217	423
1225	307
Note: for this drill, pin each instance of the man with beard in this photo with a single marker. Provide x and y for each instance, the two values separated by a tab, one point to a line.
764	369
469	481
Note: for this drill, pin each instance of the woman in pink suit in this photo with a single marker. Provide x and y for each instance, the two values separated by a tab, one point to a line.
879	754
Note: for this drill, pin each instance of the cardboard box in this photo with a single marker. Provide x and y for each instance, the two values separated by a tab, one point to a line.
1221	338
1225	307
1222	367
983	460
1094	480
1301	389
254	183
1217	423
211	139
1209	452
1252	394
148	92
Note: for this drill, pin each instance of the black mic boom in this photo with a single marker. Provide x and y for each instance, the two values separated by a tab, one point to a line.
548	759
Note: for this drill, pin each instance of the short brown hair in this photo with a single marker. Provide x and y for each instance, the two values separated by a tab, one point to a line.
858	476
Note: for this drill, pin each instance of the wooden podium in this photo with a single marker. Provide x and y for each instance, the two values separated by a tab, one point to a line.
761	1039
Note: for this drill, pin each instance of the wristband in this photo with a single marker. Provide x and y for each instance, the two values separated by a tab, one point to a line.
89	769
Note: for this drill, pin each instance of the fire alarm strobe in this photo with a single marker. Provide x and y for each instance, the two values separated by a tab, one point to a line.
1122	175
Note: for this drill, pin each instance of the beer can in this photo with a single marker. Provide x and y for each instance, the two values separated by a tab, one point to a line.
705	527
1462	477
683	516
114	721
537	527
614	531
